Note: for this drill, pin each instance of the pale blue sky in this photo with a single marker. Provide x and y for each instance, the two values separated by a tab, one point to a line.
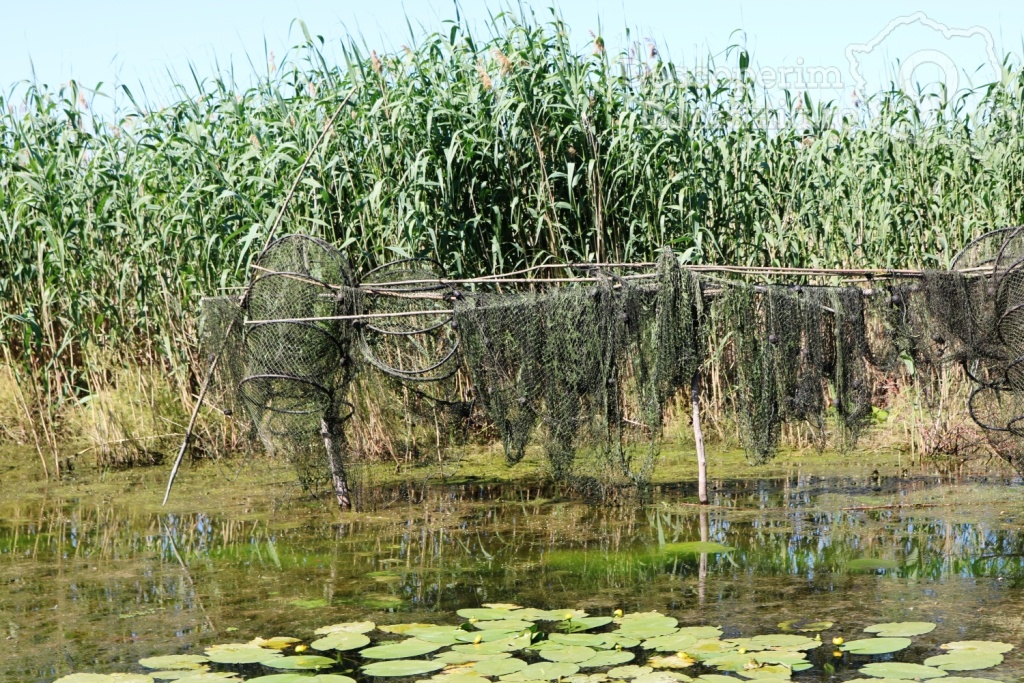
797	42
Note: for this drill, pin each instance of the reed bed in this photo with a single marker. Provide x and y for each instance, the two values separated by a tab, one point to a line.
487	153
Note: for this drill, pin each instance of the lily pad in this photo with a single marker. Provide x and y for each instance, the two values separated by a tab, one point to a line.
492	647
588	639
630	671
965	660
459	678
412	647
805	626
876	646
769	672
901	670
663	677
695	548
301	678
275	643
607	658
485	613
478	636
543	671
174	662
966	679
174	675
785	640
210	677
901	629
700	631
978	646
732	661
533	614
567	653
499	667
586	623
504	625
716	678
673	642
240	653
341	641
84	678
503	605
454	658
352	627
787	658
402	667
676	661
300	662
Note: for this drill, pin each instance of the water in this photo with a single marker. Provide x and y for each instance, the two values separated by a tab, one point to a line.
94	584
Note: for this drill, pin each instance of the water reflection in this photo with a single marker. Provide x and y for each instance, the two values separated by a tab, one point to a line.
99	586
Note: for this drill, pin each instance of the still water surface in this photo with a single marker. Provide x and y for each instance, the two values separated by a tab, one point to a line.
94	586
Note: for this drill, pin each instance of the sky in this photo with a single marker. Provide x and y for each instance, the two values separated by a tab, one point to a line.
831	49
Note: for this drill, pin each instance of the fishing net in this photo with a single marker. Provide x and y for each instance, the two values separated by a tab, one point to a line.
591	365
583	371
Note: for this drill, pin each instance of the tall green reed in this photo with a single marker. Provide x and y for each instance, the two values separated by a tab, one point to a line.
487	154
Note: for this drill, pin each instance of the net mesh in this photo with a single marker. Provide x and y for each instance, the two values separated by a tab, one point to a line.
585	371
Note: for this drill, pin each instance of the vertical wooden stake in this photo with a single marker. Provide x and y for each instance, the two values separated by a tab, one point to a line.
702	568
698	438
337	468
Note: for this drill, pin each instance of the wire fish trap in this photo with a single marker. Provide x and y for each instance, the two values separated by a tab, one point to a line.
297	356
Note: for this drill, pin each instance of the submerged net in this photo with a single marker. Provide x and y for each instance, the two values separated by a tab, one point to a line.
584	372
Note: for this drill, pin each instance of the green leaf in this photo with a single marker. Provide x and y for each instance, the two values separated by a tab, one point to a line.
805	626
413	647
586	623
486	613
587	639
627	672
965	660
301	678
402	667
607	658
341	641
543	671
978	646
876	646
459	678
901	670
695	548
499	667
240	653
174	662
353	627
301	662
901	629
567	653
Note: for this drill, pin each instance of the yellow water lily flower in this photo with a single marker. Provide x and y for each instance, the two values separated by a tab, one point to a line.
838	640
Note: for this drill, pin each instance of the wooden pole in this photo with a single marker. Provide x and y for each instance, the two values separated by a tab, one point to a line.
338	479
192	421
698	438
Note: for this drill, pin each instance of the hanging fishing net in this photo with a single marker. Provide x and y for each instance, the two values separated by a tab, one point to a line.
582	369
589	366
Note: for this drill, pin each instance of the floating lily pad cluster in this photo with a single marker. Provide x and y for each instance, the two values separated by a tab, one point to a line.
505	643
